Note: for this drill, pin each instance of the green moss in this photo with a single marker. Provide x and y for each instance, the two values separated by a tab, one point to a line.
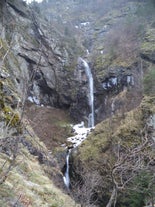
129	131
101	64
4	45
15	62
150	35
149	80
147	106
70	67
5	192
28	183
97	143
125	130
123	62
9	115
12	119
147	47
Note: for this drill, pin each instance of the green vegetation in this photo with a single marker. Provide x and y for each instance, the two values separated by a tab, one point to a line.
149	82
11	117
29	185
117	129
140	191
101	63
148	45
108	150
8	97
8	115
146	10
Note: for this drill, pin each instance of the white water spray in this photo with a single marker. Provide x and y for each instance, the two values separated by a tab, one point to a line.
66	175
81	134
80	131
91	92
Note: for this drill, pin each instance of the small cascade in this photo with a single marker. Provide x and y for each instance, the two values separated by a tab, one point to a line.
81	134
91	92
66	175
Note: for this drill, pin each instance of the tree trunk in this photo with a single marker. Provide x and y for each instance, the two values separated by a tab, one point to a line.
112	198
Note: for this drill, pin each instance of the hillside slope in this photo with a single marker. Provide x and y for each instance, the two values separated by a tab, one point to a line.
27	167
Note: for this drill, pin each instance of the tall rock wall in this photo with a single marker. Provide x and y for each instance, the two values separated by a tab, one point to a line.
35	58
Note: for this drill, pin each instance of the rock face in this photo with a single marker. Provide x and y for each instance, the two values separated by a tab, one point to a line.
32	61
43	63
41	66
120	90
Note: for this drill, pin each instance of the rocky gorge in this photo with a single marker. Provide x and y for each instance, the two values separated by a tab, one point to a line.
45	51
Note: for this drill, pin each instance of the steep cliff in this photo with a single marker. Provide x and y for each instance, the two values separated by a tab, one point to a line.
112	37
32	61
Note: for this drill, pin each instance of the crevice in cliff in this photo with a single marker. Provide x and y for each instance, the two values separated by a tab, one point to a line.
29	60
41	36
21	13
147	58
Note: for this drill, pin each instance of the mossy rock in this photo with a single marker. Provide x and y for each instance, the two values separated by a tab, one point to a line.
148	106
12	118
150	35
148	45
148	48
101	64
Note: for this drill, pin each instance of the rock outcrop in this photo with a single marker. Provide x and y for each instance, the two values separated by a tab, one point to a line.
41	66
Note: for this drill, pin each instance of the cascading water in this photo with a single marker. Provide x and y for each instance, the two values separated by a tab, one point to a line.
81	134
80	131
91	92
66	175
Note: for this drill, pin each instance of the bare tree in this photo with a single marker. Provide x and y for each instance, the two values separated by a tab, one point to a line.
130	162
85	190
119	175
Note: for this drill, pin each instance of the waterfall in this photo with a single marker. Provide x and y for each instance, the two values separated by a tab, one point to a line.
66	175
91	92
81	134
80	131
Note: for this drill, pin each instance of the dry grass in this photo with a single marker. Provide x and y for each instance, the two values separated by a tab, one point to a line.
28	184
50	124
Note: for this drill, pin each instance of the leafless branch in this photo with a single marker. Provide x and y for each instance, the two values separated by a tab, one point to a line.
129	162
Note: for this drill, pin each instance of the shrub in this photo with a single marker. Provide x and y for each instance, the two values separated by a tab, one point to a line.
123	40
149	80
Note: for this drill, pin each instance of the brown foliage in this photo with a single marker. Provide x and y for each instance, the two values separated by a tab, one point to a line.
123	40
